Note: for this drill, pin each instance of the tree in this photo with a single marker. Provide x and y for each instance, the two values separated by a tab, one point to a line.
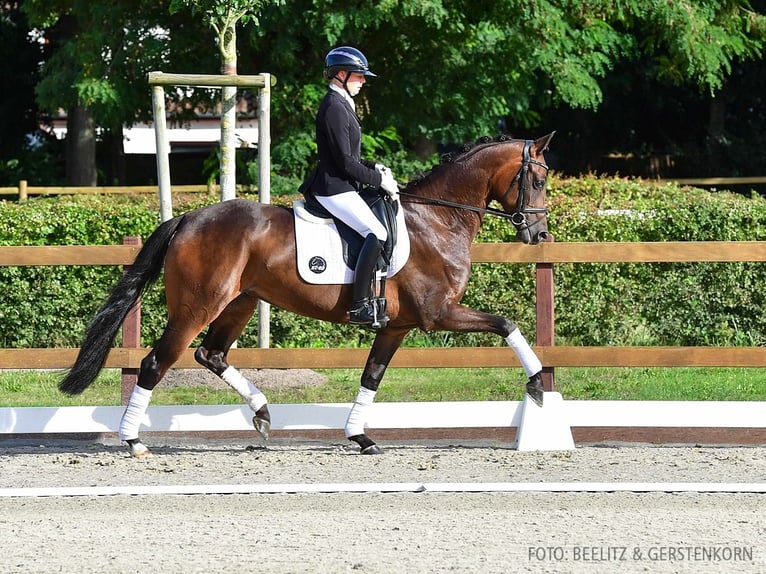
100	54
451	70
223	16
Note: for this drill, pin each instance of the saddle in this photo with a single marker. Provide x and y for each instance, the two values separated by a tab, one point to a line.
385	211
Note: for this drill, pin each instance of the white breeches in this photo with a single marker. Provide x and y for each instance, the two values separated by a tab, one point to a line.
352	210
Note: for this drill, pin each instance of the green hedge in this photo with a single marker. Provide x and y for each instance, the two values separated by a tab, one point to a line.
596	304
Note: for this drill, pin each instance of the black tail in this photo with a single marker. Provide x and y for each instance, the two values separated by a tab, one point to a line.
103	328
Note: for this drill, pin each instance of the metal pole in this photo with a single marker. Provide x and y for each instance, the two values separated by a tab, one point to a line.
264	190
163	152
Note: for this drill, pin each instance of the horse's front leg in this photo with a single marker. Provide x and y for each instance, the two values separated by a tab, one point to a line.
212	354
531	363
463	319
383	348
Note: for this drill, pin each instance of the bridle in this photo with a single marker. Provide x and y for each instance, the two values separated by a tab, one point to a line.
519	215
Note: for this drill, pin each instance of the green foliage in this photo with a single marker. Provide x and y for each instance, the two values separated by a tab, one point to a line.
220	14
223	17
101	53
658	303
596	304
450	70
717	32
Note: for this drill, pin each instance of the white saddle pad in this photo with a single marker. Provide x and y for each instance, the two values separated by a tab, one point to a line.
320	251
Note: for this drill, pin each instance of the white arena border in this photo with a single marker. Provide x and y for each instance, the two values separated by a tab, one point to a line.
409	415
392	487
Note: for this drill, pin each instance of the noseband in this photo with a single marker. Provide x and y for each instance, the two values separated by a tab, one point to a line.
519	216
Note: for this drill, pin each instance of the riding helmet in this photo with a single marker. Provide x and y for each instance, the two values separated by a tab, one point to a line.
346	58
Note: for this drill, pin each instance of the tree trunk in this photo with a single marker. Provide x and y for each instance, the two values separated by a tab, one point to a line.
113	153
717	117
228	44
81	148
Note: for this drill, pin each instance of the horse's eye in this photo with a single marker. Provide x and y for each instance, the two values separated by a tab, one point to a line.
539	184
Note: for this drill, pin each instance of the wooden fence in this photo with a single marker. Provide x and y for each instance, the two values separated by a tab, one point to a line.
544	256
24	190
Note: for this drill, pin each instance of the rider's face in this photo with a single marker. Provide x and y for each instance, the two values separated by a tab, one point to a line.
355	82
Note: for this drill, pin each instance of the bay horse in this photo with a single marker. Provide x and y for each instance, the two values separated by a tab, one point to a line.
221	259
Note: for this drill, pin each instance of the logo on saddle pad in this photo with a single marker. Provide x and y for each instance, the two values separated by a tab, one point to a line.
317	264
320	250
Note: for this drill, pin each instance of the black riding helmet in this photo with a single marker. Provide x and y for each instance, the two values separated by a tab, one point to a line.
348	59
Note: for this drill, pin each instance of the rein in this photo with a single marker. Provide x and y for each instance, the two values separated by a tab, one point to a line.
445	203
518	217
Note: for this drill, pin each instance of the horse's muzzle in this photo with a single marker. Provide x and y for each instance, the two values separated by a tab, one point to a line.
532	235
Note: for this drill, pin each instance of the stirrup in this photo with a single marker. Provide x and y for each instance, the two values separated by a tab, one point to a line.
370	313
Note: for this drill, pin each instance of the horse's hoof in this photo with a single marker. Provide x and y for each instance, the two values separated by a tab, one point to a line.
138	449
372	449
262	421
366	445
535	389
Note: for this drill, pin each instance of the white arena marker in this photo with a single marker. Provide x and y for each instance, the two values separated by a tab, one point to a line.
546	427
388	487
478	414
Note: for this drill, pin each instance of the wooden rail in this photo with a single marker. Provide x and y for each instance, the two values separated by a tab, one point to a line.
544	256
452	357
706	181
606	252
24	190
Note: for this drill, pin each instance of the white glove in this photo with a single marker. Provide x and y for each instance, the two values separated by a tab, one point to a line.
389	185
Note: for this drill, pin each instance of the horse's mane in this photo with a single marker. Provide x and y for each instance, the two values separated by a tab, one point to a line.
464	152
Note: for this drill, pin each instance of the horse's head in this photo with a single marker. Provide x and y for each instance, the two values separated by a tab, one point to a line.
520	187
509	171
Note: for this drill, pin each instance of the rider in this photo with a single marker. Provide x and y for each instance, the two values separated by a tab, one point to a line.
341	173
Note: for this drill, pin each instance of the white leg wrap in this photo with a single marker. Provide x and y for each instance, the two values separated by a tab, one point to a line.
252	395
524	352
134	413
357	417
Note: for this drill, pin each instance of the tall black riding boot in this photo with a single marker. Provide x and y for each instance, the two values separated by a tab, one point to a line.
362	311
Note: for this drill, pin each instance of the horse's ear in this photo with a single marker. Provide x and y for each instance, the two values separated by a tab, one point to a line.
541	144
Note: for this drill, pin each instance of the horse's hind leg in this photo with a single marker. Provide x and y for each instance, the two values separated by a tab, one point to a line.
212	354
166	351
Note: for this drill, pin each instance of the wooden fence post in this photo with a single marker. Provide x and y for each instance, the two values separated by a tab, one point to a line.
22	191
131	335
544	312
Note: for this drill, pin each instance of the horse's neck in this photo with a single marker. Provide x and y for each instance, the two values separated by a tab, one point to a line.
450	224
